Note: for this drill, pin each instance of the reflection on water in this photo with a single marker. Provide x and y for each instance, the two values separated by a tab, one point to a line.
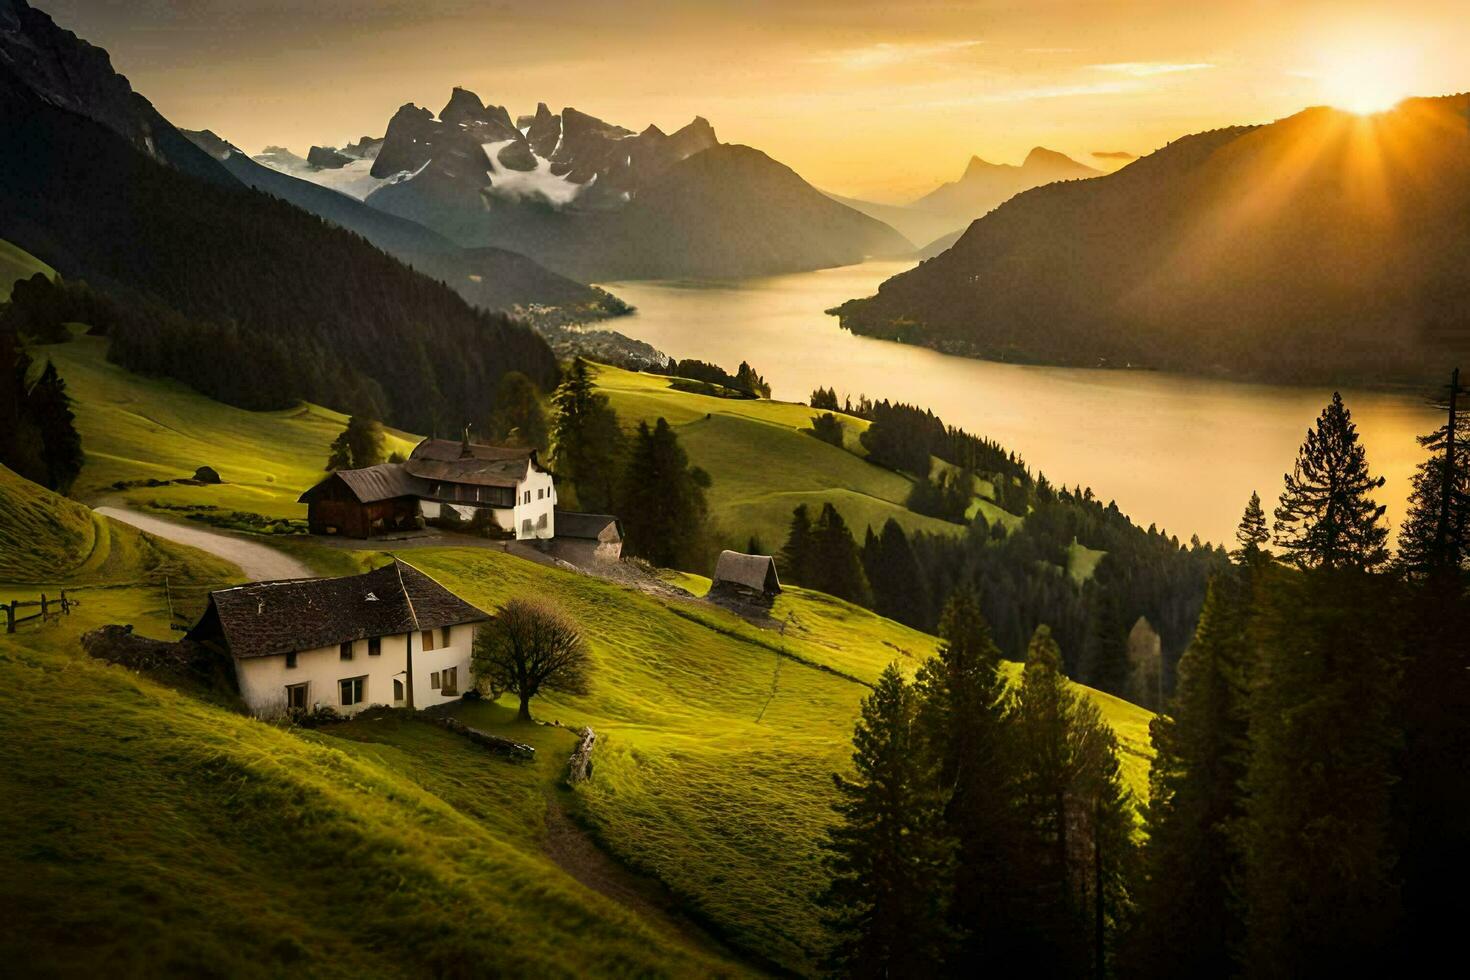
1178	451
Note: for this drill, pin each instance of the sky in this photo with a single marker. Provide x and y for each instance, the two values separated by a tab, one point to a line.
883	100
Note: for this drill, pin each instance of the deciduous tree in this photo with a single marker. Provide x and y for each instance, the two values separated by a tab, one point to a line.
531	647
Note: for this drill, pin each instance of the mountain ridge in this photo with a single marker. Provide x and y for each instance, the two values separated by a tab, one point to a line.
1297	251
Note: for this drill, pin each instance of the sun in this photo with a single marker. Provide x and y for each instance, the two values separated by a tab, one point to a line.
1365	80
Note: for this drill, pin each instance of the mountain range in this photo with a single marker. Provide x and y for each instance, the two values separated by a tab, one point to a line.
936	220
596	201
244	296
1324	247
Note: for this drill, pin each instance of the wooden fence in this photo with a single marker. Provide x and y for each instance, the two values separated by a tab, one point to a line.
48	607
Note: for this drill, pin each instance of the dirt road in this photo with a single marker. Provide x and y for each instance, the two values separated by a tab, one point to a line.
259	562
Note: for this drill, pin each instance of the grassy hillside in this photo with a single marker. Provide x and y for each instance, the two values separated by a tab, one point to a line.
16	263
763	464
46	539
717	739
151	832
136	428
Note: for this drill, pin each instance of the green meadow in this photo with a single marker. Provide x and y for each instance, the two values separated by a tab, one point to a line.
763	464
139	429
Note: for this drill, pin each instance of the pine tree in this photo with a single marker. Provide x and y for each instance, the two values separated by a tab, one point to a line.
1191	923
49	409
1327	518
836	567
589	446
1075	823
899	589
1109	669
1251	533
889	859
1319	884
662	500
1435	537
963	721
796	557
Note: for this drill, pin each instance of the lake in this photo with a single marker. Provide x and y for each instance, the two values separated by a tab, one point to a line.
1179	451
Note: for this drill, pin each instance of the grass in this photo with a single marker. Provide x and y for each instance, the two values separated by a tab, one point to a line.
48	542
160	835
16	263
717	740
763	464
135	428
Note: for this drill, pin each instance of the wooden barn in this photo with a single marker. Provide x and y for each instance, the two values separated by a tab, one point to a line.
750	578
361	503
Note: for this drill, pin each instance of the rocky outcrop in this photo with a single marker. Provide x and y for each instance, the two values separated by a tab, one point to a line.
327	158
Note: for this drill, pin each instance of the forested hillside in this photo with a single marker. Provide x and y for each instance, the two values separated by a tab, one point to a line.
1323	247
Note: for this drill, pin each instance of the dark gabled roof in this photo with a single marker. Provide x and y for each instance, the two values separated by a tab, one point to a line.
752	571
266	618
448	450
476	472
385	481
571	524
448	461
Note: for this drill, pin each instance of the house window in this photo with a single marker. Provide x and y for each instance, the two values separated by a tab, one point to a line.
434	681
540	493
290	661
375	646
397	691
352	690
528	496
344	650
296	696
428	640
444	636
449	681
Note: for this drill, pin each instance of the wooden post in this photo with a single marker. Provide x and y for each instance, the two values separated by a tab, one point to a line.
10	616
65	605
43	607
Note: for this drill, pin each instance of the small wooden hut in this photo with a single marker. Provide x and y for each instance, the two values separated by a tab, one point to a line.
750	578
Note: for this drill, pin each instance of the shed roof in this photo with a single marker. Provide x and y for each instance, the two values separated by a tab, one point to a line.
265	618
752	571
571	524
385	481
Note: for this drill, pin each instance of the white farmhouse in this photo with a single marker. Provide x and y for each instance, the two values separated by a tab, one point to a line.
392	636
444	482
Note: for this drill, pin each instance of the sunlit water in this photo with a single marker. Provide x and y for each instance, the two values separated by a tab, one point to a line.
1179	451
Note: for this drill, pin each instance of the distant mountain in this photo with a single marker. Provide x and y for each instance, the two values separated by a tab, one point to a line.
492	278
1324	247
916	225
941	244
596	201
985	186
244	297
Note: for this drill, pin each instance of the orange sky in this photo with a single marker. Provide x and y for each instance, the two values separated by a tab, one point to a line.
883	100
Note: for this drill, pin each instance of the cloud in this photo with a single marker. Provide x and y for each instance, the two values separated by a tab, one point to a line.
1059	92
1146	69
884	55
1114	155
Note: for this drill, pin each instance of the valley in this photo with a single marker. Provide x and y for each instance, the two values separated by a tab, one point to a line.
480	541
